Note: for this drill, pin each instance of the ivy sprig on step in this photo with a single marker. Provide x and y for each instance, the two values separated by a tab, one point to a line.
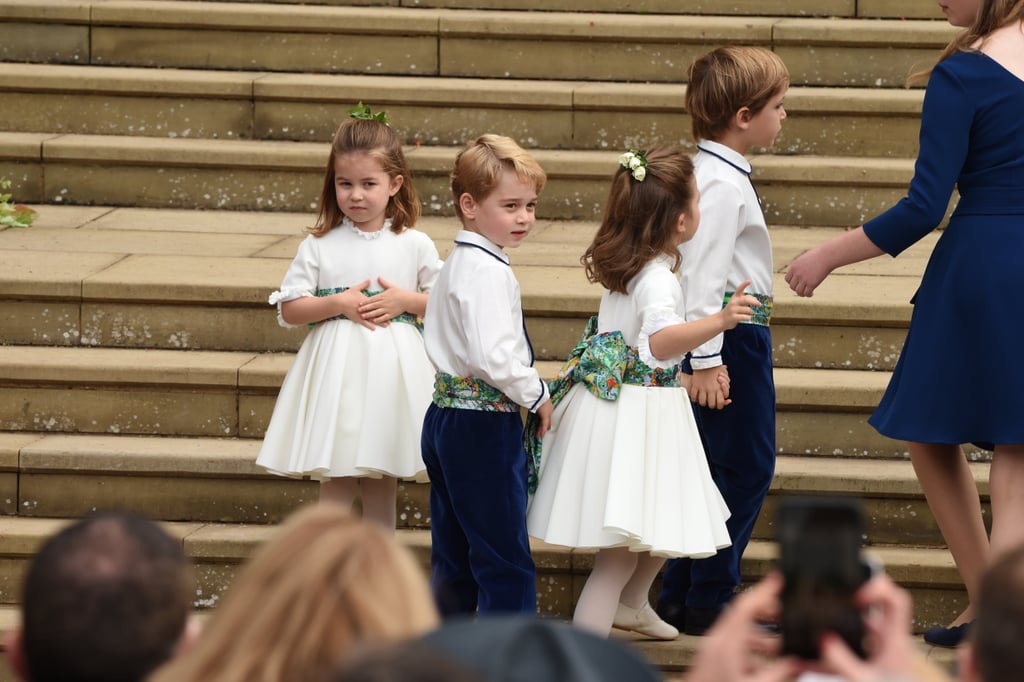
362	111
13	215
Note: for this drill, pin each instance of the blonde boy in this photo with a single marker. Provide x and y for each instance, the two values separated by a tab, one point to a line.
735	98
472	434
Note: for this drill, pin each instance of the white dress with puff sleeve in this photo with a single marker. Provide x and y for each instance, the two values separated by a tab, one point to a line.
630	472
353	401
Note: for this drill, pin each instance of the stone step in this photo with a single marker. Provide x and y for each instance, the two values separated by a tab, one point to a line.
868	9
217	550
287	176
455	42
191	103
231	394
69	475
211	480
180	279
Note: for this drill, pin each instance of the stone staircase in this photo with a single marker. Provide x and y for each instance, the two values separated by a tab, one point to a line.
175	151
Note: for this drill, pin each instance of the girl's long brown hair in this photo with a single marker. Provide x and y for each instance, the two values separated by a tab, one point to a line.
992	14
379	141
326	582
640	219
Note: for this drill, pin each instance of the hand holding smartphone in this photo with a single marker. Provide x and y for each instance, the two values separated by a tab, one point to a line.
820	541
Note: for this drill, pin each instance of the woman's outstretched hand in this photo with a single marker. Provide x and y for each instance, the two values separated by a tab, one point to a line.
806	272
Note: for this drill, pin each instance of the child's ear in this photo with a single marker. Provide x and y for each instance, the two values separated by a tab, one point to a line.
396	184
742	118
468	205
682	224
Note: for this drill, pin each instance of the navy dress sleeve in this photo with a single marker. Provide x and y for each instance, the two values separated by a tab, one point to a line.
946	119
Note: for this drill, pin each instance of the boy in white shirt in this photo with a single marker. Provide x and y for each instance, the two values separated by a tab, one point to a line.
735	99
472	440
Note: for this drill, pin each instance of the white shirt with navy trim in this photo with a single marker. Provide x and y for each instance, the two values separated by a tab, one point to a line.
473	326
731	245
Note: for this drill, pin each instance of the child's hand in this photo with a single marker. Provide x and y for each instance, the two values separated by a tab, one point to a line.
724	382
544	414
707	388
383	307
348	303
740	307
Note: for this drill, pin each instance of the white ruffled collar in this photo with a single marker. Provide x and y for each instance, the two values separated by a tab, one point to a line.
368	236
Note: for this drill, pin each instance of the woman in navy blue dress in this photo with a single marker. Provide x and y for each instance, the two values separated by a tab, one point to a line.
959	378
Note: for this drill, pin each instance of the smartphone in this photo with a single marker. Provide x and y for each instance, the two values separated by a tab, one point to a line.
820	556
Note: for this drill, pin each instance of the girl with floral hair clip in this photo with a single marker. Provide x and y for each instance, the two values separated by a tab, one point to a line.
622	469
351	407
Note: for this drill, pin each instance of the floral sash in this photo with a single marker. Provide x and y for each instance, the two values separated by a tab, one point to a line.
603	363
762	314
469	393
407	318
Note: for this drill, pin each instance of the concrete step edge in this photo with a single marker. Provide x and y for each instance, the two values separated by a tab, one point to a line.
234	457
70	365
896	9
323	18
235	542
426	90
277	154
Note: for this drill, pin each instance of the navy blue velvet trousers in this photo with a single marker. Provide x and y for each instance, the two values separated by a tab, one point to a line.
480	553
740	445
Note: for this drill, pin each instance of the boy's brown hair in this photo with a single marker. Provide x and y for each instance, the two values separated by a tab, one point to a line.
725	80
478	168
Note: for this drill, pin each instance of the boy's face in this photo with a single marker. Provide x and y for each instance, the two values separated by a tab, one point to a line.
764	126
506	215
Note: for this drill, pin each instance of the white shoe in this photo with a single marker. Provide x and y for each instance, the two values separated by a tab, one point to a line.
643	621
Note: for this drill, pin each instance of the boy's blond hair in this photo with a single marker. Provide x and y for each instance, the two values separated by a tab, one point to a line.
478	168
727	79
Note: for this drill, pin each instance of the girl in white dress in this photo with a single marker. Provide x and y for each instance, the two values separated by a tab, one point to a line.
622	468
351	407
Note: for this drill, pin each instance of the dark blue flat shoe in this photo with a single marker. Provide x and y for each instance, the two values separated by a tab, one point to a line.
948	637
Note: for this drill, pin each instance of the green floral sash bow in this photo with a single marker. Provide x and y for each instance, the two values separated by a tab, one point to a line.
602	363
407	318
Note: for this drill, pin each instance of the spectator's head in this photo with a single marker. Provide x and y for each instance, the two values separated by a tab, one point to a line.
325	582
414	661
511	648
107	598
995	653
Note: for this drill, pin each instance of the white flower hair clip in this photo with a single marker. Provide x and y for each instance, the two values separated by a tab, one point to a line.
636	161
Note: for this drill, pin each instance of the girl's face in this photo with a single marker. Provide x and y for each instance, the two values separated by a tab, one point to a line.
363	189
960	12
689	219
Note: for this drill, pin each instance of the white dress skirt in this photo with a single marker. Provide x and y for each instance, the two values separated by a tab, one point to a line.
353	401
630	472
